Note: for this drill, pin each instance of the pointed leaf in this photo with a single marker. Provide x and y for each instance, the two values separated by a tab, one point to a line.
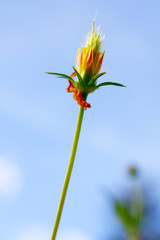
123	211
110	83
61	75
78	76
95	78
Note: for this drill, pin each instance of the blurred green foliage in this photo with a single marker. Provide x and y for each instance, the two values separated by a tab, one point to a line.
137	212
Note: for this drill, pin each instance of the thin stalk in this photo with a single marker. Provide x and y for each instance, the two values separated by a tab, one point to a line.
133	238
69	171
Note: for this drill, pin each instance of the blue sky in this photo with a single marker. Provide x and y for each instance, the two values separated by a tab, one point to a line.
38	117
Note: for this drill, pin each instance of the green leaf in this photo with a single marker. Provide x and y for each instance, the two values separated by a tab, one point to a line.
62	76
95	78
128	217
78	76
110	83
123	211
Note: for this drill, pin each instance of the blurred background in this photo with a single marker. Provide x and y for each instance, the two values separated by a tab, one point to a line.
38	118
136	210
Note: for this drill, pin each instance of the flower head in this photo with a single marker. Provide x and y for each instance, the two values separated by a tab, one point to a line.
88	64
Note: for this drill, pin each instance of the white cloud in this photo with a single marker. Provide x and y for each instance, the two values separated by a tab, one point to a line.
72	235
41	232
34	233
10	177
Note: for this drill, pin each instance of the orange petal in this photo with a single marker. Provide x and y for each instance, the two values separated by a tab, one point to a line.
77	96
81	57
77	58
90	57
100	62
73	74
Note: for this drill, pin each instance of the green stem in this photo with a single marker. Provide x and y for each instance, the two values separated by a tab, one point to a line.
134	235
133	238
68	174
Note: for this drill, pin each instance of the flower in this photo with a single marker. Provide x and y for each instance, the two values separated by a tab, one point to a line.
90	61
133	171
88	65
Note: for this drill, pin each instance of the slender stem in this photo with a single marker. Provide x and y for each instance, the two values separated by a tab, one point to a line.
133	238
134	235
68	174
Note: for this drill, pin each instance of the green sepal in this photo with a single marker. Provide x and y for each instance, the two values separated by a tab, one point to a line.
110	83
78	76
94	79
62	76
84	89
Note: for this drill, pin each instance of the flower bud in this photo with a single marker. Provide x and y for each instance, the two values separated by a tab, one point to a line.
89	62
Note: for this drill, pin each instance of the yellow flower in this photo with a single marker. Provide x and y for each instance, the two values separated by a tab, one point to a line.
88	65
